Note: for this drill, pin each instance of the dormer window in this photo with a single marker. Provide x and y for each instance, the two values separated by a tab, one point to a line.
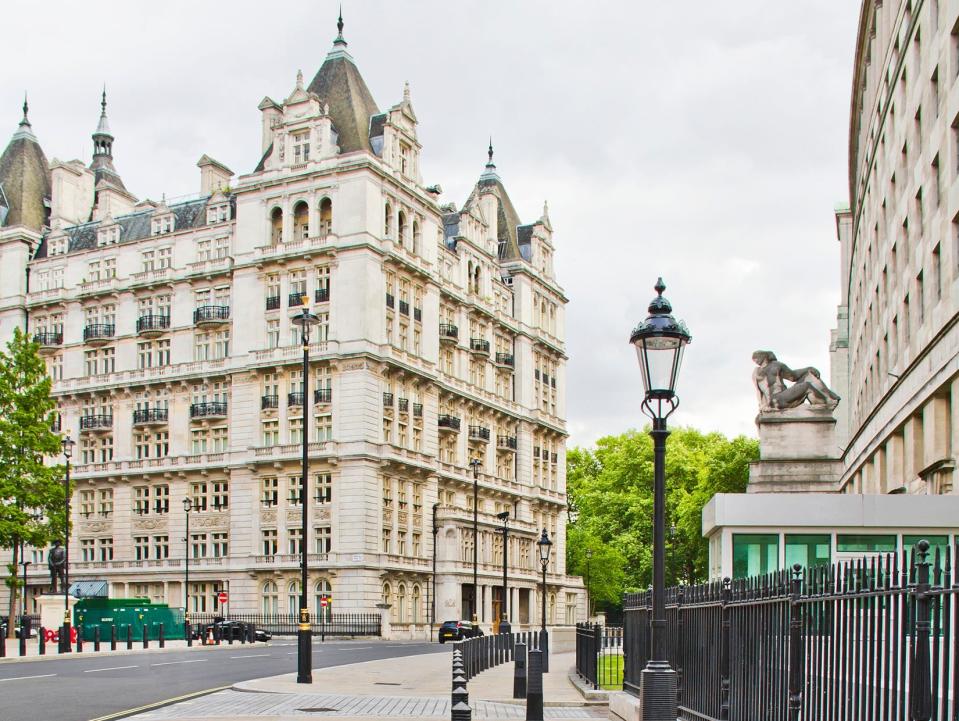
108	236
217	213
301	147
57	246
406	161
162	224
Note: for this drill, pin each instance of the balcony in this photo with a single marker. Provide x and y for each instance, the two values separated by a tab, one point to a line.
387	400
479	433
96	422
295	299
152	326
417	410
479	346
269	402
210	409
404	308
390	301
322	295
294	399
403	404
49	340
150	416
449	333
506	443
448	423
418	314
273	302
505	360
211	315
323	395
97	334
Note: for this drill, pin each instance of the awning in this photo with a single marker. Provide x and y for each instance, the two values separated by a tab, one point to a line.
89	589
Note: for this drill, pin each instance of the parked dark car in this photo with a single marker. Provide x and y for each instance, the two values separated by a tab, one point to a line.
226	628
458	630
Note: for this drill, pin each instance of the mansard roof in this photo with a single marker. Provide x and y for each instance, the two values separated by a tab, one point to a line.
24	179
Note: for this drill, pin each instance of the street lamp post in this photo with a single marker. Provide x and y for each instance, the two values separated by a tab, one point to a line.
545	546
659	341
304	657
187	632
436	530
504	626
589	596
66	444
24	563
475	463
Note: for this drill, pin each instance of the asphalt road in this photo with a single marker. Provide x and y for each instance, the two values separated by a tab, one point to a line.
85	688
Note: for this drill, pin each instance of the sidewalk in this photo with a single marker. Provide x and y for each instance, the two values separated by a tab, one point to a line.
410	687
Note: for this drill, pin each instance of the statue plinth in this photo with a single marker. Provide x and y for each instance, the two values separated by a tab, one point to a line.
798	452
51	609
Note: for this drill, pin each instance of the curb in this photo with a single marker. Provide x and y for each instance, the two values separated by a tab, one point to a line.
590	694
10	660
158	704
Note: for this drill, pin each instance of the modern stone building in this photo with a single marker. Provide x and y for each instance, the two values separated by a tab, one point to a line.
895	349
166	328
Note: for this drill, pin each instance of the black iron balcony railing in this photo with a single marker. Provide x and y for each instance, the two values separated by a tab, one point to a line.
48	337
448	421
448	330
269	401
295	299
57	424
96	421
323	395
504	359
390	300
98	331
404	307
146	323
479	345
208	409
417	410
387	400
417	314
479	433
403	404
150	415
506	442
295	398
211	313
273	302
322	295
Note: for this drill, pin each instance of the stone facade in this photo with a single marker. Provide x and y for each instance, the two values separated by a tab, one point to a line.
167	329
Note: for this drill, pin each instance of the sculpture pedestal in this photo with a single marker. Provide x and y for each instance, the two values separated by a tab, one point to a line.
51	610
798	452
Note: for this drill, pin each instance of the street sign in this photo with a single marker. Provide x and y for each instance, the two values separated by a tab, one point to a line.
222	597
324	601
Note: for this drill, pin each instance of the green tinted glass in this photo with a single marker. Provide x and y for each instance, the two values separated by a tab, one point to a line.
808	549
755	553
865	543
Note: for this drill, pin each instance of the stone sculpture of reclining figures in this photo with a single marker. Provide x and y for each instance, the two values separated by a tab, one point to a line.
770	379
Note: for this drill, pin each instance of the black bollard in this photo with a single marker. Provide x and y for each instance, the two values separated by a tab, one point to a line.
113	637
188	632
96	637
217	634
250	633
534	687
130	637
3	645
42	641
24	634
519	671
544	647
79	638
459	706
146	636
162	637
229	633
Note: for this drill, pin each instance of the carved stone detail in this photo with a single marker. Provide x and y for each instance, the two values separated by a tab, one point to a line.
268	516
149	524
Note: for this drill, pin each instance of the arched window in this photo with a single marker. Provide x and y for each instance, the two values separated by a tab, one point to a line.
301	221
388	221
401	602
388	599
276	226
271	599
416	605
293	597
321	589
551	613
476	280
326	217
401	228
416	237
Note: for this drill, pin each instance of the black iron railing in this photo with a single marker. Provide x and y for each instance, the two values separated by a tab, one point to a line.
210	408
873	638
403	404
387	400
507	442
295	398
404	307
153	322
504	359
96	421
322	295
479	345
448	330
48	337
211	313
479	433
482	653
390	300
98	331
448	421
269	401
417	314
295	299
150	415
599	655
322	395
273	302
285	624
417	410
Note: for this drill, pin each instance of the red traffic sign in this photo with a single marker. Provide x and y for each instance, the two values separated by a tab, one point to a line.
324	601
222	597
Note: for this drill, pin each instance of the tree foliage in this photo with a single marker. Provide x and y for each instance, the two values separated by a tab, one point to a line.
31	491
610	491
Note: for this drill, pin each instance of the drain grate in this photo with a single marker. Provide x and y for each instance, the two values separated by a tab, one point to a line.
386	683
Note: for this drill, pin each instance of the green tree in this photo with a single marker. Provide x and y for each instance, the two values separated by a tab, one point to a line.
610	491
31	492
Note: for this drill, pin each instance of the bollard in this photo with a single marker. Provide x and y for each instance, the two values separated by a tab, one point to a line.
162	637
243	634
24	634
42	641
3	645
130	637
534	687
459	707
96	637
544	647
79	638
146	636
251	633
113	637
217	634
230	633
188	632
519	671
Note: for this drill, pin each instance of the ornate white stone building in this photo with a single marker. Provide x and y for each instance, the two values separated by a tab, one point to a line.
166	328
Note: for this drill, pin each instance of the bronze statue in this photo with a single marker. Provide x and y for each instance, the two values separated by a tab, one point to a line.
57	563
774	395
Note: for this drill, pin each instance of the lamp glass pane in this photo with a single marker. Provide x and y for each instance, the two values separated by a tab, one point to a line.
657	356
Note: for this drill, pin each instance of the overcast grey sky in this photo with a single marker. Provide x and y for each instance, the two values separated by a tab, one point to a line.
702	141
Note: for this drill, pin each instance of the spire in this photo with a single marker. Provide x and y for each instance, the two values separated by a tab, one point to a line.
406	92
299	79
102	164
26	110
339	29
103	127
490	172
489	152
25	130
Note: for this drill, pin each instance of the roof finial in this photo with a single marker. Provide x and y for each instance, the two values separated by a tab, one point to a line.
103	101
299	79
26	110
339	27
489	152
406	91
103	127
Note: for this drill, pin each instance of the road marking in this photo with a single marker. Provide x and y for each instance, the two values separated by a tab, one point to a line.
112	668
353	648
170	663
158	704
252	655
21	678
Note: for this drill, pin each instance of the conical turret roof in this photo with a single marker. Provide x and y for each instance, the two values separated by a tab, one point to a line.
24	179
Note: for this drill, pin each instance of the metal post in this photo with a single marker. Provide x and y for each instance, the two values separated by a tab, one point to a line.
146	635
96	637
113	637
920	685
65	645
724	653
589	600
534	687
42	641
188	631
658	694
186	576
24	634
795	644
543	633
162	638
433	581
129	637
3	643
304	659
519	671
79	630
504	626
476	464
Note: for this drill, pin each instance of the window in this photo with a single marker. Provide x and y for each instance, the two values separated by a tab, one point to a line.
322	591
87	550
161	547
108	236
323	539
755	553
105	549
935	541
301	147
198	545
293	598
273	333
808	550
296	489
294	539
271	433
270	598
324	488
220	545
162	224
865	543
141	547
269	542
269	491
323	428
